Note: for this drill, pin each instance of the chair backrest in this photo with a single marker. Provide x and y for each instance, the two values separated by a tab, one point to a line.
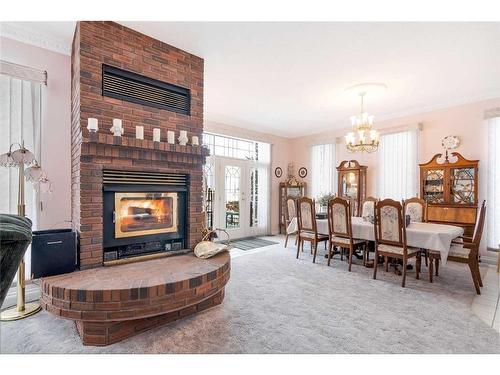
291	208
306	214
339	218
389	225
416	208
368	208
478	229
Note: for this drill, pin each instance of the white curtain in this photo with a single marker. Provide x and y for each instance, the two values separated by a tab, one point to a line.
20	103
323	172
493	194
398	165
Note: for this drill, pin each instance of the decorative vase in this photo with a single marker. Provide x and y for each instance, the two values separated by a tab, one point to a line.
117	128
195	141
183	139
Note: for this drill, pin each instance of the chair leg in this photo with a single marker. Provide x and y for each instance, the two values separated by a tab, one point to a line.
286	239
426	258
386	264
296	239
474	278
405	262
341	249
476	263
431	268
418	265
375	265
315	250
350	258
298	250
330	246
437	266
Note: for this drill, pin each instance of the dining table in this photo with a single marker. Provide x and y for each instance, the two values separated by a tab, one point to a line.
431	236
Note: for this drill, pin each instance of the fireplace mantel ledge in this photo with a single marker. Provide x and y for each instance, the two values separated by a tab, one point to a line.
144	144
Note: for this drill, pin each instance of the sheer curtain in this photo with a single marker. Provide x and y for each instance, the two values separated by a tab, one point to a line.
398	165
493	194
20	120
323	173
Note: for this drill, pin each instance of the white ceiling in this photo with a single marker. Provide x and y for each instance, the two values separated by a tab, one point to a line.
289	78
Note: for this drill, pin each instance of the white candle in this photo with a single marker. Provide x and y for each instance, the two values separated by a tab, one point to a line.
156	135
139	132
117	123
92	125
170	136
195	141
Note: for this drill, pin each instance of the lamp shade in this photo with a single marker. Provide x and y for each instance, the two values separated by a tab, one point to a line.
6	160
34	173
23	156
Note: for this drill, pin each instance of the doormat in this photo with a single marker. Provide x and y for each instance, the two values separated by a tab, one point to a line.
250	243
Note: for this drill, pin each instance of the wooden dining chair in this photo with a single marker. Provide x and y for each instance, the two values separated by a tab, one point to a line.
368	208
340	229
290	214
308	230
390	237
416	208
465	250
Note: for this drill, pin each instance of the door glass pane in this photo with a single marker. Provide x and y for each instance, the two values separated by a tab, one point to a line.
209	194
434	186
254	197
462	188
232	176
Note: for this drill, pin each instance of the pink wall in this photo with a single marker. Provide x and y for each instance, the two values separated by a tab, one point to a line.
466	121
56	156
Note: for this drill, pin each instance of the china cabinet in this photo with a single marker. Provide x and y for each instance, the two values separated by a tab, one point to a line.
448	183
352	183
292	188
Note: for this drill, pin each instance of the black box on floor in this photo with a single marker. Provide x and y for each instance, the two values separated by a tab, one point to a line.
53	252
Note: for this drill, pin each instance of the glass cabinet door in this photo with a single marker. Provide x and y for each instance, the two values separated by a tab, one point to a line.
350	185
434	186
463	185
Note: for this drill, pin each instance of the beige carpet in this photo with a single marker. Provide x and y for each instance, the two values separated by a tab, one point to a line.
277	304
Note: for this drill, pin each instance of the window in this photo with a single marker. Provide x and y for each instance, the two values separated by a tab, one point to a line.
398	165
231	147
493	194
20	122
323	172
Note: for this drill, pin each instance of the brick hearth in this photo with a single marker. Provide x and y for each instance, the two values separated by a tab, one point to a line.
109	304
97	43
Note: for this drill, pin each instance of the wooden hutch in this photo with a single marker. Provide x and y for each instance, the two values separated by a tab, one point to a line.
293	188
352	183
450	189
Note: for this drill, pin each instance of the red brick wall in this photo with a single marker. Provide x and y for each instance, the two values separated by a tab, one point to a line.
97	43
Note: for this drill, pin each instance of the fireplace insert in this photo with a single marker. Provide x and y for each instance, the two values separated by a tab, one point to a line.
144	213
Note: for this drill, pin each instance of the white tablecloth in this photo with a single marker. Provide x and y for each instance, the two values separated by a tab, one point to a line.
429	236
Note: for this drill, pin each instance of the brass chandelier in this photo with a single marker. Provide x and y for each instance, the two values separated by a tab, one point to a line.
363	137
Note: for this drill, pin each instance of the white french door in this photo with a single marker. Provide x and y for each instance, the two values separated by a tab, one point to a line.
236	187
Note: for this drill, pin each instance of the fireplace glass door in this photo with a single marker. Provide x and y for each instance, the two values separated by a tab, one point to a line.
139	214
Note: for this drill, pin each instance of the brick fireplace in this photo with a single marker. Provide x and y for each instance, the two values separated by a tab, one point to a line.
97	44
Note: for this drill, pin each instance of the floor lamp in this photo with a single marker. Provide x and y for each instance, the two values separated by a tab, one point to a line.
19	158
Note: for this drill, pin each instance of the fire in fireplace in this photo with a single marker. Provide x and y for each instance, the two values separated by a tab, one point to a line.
138	214
144	213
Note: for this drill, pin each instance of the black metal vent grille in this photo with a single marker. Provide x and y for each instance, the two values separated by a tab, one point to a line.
121	84
150	178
